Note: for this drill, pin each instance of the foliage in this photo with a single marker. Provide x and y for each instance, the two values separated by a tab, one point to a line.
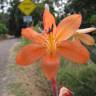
4	18
80	79
3	29
86	7
93	19
15	19
3	23
19	89
24	41
38	13
92	50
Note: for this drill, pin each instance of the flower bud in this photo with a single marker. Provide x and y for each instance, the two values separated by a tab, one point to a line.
65	92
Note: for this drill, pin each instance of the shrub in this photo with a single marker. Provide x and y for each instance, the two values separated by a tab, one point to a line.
81	79
3	29
93	19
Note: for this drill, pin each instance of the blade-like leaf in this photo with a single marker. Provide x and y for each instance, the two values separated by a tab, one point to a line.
92	50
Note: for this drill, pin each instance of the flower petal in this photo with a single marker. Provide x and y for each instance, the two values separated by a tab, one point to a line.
48	20
28	54
86	39
86	30
68	26
65	92
30	34
74	51
50	66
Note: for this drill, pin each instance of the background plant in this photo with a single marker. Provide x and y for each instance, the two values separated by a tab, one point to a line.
80	79
3	29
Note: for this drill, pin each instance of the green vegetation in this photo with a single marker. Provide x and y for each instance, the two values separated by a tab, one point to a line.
80	79
25	41
3	29
3	24
20	89
87	8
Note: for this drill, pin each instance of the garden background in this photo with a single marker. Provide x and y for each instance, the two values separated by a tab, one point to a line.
29	81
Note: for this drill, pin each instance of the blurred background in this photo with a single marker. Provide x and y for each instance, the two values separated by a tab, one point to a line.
11	18
81	79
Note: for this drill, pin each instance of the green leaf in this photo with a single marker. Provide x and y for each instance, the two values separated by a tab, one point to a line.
92	51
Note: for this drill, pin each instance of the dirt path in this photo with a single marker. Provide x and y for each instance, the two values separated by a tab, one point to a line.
25	81
4	53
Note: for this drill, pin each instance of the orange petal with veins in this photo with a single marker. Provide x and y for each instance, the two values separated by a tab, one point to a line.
68	26
50	66
30	34
48	20
28	54
86	39
74	51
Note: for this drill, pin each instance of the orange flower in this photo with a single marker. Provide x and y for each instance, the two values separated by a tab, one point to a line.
52	43
85	38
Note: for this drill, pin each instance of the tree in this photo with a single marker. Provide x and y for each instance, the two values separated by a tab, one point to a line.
86	7
15	18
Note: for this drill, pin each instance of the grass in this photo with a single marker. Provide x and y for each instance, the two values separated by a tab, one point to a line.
80	79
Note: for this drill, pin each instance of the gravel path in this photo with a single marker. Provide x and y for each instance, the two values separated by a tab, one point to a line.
4	53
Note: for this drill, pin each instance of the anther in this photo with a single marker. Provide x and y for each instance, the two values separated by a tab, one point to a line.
50	29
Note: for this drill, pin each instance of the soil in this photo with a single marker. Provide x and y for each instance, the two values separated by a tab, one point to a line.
5	46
